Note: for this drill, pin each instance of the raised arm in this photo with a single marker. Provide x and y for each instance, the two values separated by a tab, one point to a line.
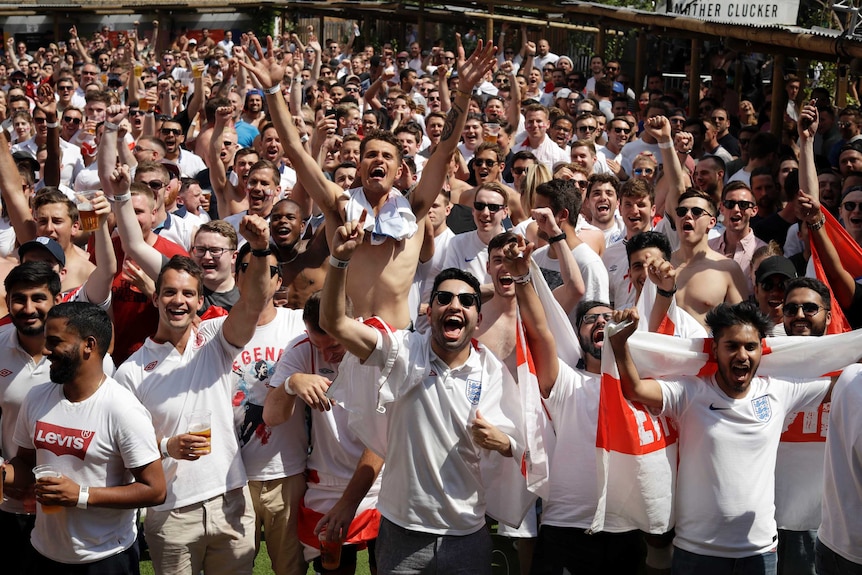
672	184
513	106
132	238
98	285
539	336
573	289
356	337
45	101
12	192
434	174
645	391
809	120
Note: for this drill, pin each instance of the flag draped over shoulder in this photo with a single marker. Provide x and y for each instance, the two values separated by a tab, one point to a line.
637	451
851	259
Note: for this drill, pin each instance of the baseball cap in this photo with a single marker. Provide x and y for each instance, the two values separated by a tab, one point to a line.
46	243
24	156
193	41
775	265
563	93
172	167
619	88
404	55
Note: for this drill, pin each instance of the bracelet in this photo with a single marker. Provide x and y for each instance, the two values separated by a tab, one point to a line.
273	90
262	253
818	224
665	145
558	238
287	389
83	497
163	447
111	127
337	263
120	197
524	279
665	293
52	124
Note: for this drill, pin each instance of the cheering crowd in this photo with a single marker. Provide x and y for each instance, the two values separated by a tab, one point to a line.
343	298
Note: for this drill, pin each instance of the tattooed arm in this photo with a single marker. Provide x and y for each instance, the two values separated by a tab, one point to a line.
434	173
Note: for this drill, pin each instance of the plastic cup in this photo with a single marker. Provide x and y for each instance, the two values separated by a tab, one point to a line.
139	70
144	104
41	472
490	132
197	69
86	212
200	423
330	552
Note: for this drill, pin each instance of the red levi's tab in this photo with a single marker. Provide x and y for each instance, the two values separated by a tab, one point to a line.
62	440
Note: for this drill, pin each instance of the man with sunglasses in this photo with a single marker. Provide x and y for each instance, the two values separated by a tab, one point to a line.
771	277
171	133
705	278
442	396
738	241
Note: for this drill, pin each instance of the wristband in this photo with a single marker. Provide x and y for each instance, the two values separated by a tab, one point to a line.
120	197
665	293
287	389
665	145
524	279
261	253
468	94
337	263
110	126
52	124
558	238
274	89
163	447
83	497
818	224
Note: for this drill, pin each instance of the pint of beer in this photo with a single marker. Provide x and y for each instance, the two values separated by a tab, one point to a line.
490	132
200	423
41	472
330	552
86	212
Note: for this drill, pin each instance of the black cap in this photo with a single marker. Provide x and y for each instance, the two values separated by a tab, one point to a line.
775	265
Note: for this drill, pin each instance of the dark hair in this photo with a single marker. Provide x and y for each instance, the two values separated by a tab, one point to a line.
311	311
814	285
33	274
733	186
637	188
562	194
719	161
725	315
88	320
182	264
501	240
692	193
384	136
586	305
603	179
762	144
52	195
646	240
524	155
461	275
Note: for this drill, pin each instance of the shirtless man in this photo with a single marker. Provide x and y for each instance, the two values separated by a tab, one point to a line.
705	278
223	150
488	163
302	261
388	261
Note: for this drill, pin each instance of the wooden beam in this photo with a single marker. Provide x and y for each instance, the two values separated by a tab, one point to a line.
694	77
776	114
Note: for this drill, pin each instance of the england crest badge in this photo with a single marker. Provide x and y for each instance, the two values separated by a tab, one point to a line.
762	408
474	390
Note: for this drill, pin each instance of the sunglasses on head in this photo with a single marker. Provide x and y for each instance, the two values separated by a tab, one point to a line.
696	211
484	163
808	308
465	299
493	208
743	204
772	282
273	270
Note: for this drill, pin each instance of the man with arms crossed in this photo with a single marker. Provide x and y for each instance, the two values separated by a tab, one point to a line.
729	428
389	260
445	391
98	437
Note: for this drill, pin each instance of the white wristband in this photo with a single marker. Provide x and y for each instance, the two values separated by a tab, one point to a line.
287	389
111	127
83	497
665	145
163	447
273	89
337	263
120	197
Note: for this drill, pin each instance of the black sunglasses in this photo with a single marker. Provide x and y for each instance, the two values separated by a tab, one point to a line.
155	185
493	208
465	299
69	120
273	270
743	204
770	284
482	162
174	131
808	308
851	206
519	171
696	211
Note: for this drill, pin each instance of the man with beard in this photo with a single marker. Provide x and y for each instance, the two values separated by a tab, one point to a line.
97	436
738	241
442	417
253	112
709	176
729	427
302	262
571	396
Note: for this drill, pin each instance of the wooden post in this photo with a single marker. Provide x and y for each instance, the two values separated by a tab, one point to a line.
841	86
776	114
640	58
420	25
489	24
694	77
599	46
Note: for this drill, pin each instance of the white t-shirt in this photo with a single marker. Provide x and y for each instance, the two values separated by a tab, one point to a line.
727	449
632	149
621	291
592	268
171	386
433	482
179	231
93	442
267	452
547	152
841	529
469	253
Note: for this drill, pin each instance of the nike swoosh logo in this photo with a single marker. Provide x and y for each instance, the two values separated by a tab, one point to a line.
714	408
468	260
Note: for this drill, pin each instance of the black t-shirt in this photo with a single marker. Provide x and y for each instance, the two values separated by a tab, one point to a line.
772	227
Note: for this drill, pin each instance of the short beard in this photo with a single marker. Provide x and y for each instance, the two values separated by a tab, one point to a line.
590	347
64	370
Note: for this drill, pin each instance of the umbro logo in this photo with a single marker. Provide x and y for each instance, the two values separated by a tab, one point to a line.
5	372
151	366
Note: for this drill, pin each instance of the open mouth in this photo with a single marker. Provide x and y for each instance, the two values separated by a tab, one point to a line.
177	313
453	326
740	371
507	280
688	227
377	173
